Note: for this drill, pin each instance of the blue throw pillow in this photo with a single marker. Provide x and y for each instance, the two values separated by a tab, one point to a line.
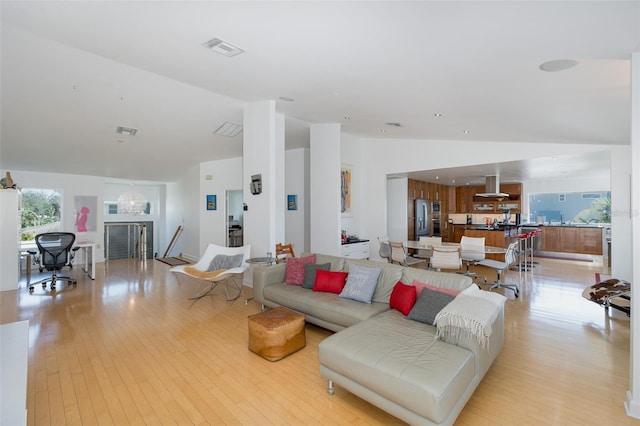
361	283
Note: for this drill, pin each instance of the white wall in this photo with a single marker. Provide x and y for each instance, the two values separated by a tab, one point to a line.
173	212
350	151
225	175
297	183
397	213
186	202
324	188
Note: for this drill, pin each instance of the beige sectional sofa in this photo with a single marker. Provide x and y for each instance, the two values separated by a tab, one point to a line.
382	356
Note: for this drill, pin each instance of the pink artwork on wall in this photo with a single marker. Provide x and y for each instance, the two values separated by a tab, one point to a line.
86	206
81	219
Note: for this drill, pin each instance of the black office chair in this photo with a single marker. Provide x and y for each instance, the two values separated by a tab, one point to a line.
55	252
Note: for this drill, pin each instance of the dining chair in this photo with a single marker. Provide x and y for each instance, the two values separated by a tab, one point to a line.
283	252
443	257
429	242
385	249
501	267
472	251
399	255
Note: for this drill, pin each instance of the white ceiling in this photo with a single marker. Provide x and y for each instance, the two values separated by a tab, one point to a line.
74	71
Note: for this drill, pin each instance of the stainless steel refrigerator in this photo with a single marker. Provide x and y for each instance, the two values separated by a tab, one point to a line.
422	219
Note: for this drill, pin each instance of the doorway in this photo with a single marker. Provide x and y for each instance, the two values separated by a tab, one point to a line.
234	213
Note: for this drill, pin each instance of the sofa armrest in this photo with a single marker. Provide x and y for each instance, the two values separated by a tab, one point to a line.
487	353
264	276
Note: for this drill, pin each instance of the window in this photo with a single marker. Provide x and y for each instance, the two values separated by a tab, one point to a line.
574	207
41	212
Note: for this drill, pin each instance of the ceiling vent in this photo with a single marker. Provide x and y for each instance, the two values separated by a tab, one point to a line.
127	131
229	129
394	124
222	47
492	188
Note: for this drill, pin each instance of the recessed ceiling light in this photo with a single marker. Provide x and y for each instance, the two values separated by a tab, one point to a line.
127	131
346	117
466	132
222	47
437	114
229	129
286	99
383	131
558	65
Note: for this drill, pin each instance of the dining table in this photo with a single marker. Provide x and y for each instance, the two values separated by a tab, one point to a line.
417	245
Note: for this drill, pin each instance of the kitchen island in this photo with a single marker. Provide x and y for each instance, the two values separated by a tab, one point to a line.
492	237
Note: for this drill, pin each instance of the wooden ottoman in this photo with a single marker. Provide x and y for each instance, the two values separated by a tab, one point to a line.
276	333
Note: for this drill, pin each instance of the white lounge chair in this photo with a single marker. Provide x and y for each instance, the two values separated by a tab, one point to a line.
228	268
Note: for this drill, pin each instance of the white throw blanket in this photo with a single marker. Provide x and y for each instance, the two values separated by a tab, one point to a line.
470	314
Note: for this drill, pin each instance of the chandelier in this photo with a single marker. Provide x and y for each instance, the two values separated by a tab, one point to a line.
132	203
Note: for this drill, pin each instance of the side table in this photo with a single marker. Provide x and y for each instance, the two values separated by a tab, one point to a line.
264	261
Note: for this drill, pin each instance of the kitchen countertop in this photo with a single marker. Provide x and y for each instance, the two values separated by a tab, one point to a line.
355	241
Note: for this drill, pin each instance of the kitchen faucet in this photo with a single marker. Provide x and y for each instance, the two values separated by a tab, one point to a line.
561	218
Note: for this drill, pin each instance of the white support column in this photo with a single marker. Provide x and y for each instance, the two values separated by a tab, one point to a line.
632	403
263	143
324	184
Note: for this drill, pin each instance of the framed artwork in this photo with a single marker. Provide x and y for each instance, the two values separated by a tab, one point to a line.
292	202
211	202
346	186
86	207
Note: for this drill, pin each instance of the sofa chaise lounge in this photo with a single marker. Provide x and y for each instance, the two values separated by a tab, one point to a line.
404	367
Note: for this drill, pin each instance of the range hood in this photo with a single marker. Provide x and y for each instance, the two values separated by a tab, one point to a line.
492	188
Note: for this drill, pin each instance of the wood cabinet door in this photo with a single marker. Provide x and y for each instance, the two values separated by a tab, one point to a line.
551	238
570	240
590	241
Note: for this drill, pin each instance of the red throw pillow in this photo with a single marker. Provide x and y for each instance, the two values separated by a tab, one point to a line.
294	273
330	281
421	286
403	297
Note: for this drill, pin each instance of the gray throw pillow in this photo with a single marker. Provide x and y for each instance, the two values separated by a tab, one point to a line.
361	283
429	303
222	261
310	270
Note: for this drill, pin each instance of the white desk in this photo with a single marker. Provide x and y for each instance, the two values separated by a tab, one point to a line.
88	247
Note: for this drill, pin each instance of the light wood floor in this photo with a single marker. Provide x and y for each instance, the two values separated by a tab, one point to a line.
129	348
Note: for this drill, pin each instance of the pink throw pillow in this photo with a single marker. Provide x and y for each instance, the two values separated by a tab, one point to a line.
403	297
330	281
421	286
294	273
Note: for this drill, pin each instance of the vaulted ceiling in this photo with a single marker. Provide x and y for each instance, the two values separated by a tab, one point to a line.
72	72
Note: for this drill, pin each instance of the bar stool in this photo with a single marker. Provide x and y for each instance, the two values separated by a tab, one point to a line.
522	252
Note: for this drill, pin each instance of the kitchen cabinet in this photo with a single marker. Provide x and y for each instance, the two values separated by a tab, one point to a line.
570	239
359	250
590	241
551	238
464	198
458	232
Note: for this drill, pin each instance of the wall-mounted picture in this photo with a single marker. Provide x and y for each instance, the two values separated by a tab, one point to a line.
86	206
345	190
292	202
211	202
